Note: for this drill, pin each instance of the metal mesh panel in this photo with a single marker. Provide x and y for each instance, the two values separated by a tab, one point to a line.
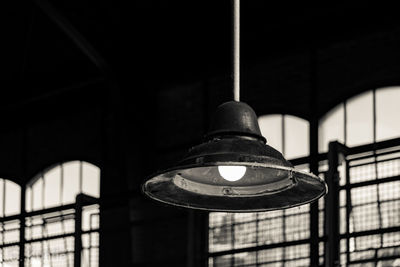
282	256
371	168
53	252
230	230
90	250
90	253
369	208
254	231
248	230
270	230
9	232
9	256
321	249
49	239
374	211
9	236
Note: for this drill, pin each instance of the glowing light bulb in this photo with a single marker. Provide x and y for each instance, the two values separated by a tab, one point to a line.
232	173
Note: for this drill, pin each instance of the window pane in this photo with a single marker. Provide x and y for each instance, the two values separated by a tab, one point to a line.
71	181
271	129
387	113
37	190
28	199
331	128
91	180
13	198
2	182
52	187
296	137
359	111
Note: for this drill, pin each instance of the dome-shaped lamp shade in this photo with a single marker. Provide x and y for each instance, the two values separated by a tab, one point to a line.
234	170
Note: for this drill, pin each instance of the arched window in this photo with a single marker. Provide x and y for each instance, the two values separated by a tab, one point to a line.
229	231
60	184
61	218
366	118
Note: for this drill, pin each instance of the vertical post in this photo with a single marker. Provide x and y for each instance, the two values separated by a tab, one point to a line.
80	177
332	252
78	231
378	197
22	229
348	213
4	215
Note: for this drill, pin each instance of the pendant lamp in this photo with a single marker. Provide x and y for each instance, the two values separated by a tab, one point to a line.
234	170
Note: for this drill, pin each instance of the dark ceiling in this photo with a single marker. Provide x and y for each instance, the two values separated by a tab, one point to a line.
130	86
158	45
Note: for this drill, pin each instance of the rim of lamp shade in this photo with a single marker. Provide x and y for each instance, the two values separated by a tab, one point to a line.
305	189
269	182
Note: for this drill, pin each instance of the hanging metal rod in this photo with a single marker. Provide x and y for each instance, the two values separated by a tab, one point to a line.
236	50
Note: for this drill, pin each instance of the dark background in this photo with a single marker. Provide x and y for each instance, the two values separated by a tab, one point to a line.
130	85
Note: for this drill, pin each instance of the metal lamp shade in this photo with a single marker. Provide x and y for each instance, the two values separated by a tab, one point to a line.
269	182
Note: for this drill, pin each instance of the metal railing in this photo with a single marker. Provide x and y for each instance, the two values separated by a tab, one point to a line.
359	219
367	202
61	236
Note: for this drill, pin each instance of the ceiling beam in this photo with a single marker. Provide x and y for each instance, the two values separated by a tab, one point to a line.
77	38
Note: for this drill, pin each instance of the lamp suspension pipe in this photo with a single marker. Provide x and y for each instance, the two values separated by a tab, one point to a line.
236	50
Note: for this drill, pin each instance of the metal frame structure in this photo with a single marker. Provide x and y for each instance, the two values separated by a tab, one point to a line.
35	229
336	237
381	161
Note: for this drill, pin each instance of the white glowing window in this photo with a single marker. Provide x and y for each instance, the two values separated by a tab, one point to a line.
296	134
10	198
271	129
360	125
365	118
57	186
387	113
331	127
287	134
60	185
